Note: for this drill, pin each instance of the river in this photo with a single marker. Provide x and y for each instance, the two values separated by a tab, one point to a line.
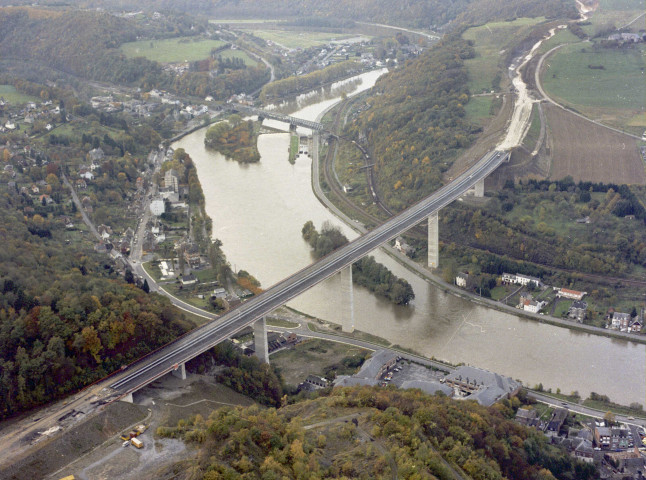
258	211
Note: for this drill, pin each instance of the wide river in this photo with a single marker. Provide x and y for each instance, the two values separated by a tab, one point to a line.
258	211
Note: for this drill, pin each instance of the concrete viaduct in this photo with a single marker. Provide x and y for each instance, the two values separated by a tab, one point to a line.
172	357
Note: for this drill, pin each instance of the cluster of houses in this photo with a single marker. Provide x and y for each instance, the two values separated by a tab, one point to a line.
32	112
625	322
627	37
595	443
577	311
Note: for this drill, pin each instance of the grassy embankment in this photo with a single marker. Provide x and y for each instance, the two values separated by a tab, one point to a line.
293	148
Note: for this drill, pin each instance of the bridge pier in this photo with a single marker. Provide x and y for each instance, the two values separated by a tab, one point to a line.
180	371
347	322
433	240
128	398
479	188
260	339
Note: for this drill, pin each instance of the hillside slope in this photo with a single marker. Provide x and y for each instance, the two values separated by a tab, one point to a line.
370	433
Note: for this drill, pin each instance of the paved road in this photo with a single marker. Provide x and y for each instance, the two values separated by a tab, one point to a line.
79	206
583	410
200	340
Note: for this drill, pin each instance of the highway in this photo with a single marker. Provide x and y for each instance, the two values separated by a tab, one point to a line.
200	340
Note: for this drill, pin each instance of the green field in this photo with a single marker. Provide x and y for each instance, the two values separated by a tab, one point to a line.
619	85
491	43
241	20
479	108
171	50
560	37
11	95
237	54
296	39
617	13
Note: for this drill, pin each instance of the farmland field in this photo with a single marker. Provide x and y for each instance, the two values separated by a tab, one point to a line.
299	39
586	151
613	91
171	50
11	95
568	77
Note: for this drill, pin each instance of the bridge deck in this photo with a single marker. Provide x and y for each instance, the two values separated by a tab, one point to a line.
210	334
277	116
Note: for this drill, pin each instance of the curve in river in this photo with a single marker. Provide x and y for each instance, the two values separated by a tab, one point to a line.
258	211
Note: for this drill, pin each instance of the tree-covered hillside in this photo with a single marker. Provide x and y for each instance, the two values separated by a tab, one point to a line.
416	122
371	433
86	44
411	13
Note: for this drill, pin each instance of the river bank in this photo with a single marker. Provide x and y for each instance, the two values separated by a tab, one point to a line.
258	211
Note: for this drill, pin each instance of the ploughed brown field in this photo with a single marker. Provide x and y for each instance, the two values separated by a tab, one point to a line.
588	152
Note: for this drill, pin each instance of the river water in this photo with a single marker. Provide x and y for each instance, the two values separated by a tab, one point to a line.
258	211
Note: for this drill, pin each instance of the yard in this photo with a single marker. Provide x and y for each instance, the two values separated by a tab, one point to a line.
172	50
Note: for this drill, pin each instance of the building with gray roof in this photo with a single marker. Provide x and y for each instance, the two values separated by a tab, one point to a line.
481	385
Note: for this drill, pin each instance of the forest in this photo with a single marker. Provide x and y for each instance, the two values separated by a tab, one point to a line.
234	139
366	272
392	434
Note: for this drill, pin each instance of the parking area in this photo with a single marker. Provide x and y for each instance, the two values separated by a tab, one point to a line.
404	371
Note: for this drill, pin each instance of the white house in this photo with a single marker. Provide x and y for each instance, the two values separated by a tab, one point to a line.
86	174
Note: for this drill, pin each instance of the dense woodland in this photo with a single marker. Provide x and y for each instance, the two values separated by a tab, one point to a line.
234	139
365	272
86	45
394	434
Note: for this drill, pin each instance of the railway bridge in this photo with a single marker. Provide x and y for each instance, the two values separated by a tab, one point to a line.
281	117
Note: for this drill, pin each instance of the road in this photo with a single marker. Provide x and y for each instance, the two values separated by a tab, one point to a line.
205	337
79	206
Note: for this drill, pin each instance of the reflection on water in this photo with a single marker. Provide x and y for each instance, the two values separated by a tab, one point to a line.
258	211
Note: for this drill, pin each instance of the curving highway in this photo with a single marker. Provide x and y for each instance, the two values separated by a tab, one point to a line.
209	335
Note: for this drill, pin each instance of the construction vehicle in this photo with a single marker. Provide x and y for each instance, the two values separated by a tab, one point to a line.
137	443
141	428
